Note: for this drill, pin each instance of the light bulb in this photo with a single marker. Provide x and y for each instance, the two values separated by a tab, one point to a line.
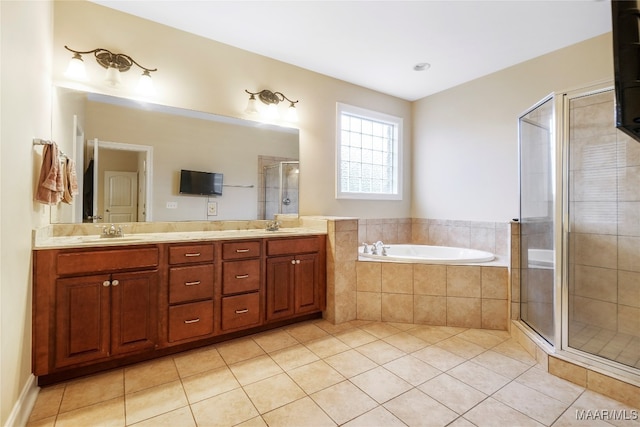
272	112
145	84
75	69
113	75
252	107
292	114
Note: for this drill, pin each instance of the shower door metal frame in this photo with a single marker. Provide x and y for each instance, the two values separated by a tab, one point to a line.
556	169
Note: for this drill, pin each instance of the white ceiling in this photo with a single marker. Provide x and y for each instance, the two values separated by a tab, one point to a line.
375	44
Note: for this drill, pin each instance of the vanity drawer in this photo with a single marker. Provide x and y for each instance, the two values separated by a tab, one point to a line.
190	283
292	246
190	320
240	276
241	311
190	254
79	262
238	250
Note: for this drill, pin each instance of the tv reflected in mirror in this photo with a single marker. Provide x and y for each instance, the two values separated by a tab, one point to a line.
200	183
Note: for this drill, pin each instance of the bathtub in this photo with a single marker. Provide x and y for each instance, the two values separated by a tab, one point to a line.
429	254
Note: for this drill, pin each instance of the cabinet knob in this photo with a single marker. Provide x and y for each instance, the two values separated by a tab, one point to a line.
297	261
115	282
106	283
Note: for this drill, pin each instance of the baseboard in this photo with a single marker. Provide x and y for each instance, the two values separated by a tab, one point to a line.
19	415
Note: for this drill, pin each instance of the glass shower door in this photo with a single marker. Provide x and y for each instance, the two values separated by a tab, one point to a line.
537	213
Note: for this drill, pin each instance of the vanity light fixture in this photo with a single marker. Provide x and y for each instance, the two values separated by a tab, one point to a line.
114	63
271	100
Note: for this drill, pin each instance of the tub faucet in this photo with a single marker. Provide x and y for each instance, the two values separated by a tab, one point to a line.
379	244
365	248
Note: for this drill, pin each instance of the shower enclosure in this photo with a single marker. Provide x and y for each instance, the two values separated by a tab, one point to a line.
281	188
580	228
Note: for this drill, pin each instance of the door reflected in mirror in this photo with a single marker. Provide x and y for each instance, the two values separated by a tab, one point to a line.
141	149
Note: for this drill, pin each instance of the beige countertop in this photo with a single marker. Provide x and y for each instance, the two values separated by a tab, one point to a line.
96	240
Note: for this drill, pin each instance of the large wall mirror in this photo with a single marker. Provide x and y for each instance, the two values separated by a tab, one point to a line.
129	155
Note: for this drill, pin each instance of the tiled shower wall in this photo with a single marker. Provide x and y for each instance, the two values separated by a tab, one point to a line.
486	236
604	209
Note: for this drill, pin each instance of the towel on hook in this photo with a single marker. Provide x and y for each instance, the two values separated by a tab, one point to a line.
50	184
70	179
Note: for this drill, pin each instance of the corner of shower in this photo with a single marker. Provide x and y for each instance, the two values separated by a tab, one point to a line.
579	286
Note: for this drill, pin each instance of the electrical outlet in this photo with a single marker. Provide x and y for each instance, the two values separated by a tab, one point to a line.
212	208
172	205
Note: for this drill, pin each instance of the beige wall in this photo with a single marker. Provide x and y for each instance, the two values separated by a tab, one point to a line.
25	34
204	75
465	139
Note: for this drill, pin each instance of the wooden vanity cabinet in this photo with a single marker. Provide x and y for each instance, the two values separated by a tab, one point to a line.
190	302
97	308
242	282
92	305
295	277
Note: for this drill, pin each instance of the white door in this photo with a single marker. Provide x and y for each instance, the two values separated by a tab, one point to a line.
120	196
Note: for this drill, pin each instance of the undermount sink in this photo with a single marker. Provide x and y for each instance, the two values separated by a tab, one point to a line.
99	238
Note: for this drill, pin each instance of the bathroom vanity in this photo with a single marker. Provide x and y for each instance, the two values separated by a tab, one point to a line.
107	302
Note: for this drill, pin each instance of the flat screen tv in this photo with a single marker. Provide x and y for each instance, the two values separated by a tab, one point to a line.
625	16
200	183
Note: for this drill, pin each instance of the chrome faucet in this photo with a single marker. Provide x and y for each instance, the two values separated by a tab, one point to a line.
365	248
273	225
112	231
379	244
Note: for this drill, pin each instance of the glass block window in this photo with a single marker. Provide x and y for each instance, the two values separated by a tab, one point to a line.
368	154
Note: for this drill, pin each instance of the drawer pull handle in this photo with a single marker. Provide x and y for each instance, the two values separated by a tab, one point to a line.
241	251
241	276
196	320
245	310
192	254
197	282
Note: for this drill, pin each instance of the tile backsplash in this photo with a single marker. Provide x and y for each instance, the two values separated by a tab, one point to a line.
486	236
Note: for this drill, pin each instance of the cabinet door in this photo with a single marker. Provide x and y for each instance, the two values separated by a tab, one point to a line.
82	319
280	290
134	311
307	297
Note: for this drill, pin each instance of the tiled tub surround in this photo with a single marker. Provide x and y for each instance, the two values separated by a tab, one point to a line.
470	296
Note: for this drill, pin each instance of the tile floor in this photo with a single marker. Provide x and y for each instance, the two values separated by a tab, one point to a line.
318	374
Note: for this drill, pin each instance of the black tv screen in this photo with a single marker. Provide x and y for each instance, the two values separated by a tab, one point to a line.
626	56
200	183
